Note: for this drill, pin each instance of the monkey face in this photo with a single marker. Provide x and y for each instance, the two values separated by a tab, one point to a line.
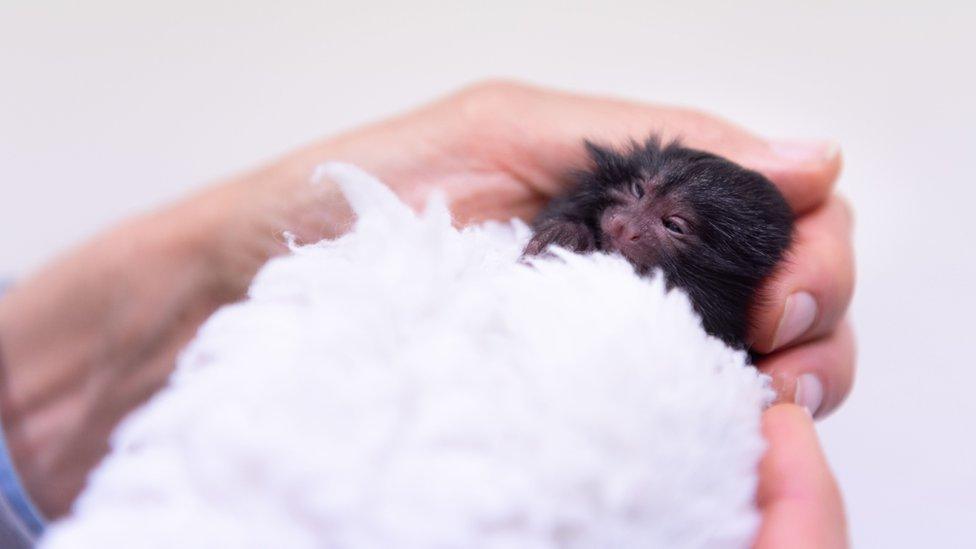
713	228
645	224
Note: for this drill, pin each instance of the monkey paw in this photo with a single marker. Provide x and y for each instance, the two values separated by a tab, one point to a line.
572	236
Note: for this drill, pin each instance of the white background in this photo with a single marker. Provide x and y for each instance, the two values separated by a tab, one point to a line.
110	107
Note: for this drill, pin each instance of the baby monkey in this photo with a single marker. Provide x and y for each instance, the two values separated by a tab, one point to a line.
713	228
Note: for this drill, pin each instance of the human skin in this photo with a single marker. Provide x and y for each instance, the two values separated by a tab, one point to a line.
798	497
122	305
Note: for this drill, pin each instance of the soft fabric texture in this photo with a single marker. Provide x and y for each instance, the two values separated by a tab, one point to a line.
410	385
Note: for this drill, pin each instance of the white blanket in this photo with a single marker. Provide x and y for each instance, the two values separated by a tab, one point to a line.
410	385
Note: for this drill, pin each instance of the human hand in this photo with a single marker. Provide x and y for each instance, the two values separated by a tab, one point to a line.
122	305
500	150
798	496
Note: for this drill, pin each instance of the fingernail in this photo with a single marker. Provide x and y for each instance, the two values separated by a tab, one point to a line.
798	316
809	393
805	151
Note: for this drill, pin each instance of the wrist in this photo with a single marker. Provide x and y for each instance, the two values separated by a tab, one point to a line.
245	220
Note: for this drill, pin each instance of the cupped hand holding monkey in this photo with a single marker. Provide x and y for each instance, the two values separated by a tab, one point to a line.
124	304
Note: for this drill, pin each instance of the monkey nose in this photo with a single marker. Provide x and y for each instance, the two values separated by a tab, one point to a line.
622	235
623	232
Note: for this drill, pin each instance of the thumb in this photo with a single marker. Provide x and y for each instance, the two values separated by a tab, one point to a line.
799	500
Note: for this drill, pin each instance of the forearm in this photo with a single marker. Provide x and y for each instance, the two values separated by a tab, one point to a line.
96	332
89	337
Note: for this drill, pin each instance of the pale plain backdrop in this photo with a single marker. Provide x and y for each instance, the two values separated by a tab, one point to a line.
110	107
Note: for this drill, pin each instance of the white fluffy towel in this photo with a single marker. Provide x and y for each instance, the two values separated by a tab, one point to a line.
410	385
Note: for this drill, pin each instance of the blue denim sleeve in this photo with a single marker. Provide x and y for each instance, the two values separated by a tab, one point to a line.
20	522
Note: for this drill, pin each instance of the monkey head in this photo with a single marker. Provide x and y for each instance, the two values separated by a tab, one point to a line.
713	228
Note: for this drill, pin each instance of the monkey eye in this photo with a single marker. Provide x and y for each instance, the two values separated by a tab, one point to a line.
637	189
676	225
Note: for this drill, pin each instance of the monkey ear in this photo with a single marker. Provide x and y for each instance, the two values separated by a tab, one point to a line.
599	154
653	146
608	165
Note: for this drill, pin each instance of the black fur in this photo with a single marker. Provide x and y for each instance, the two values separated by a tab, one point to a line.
741	229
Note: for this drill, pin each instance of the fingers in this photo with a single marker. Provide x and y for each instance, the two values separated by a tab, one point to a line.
804	171
810	295
800	321
816	375
537	134
798	497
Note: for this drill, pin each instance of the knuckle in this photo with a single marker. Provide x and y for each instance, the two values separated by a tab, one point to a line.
487	112
840	267
492	89
489	98
845	210
841	368
825	257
